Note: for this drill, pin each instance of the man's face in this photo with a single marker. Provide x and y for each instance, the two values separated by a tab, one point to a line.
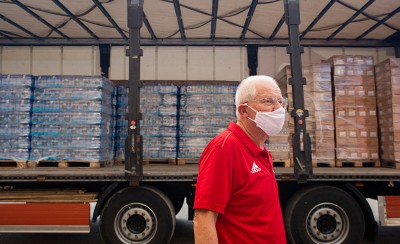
267	99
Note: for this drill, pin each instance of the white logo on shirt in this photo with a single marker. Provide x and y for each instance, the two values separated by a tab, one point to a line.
255	168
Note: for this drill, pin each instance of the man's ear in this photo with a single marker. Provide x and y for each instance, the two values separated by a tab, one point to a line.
242	110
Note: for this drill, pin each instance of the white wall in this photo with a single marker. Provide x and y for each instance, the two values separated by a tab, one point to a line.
183	63
165	63
50	60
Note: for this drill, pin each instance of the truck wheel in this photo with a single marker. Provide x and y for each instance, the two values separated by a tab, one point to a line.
324	214
138	215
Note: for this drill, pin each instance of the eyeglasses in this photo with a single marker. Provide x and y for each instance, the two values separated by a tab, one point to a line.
270	101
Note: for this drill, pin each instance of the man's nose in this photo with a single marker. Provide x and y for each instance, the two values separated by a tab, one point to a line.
277	105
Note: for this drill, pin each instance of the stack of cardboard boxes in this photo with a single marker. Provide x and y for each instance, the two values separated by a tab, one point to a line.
388	93
356	124
318	101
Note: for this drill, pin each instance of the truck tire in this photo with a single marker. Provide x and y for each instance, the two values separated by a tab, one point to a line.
324	214
138	215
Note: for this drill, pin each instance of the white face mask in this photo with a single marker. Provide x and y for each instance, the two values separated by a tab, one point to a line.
270	122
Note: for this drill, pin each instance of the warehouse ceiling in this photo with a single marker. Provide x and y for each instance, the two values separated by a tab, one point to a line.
199	22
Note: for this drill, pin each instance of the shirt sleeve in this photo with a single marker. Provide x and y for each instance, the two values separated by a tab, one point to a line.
215	179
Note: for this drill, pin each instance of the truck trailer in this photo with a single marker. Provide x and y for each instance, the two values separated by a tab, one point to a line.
138	202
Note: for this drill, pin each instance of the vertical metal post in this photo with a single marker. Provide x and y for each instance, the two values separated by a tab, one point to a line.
133	143
252	59
301	139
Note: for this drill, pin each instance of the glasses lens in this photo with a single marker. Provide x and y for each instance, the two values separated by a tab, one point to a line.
283	102
268	101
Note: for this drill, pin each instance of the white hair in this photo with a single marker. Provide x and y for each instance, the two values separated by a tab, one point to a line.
247	89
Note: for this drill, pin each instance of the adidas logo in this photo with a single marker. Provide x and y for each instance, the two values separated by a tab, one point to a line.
255	168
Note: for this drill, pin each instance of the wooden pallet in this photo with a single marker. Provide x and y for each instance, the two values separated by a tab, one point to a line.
284	163
148	161
152	161
358	163
13	164
182	161
69	163
391	164
323	163
119	161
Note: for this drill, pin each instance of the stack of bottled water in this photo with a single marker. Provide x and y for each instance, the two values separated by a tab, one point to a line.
158	105
121	124
72	118
205	111
15	116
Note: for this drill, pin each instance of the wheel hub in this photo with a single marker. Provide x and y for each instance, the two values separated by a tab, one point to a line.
136	223
327	223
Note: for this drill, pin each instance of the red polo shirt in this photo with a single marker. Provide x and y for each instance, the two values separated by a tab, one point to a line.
236	180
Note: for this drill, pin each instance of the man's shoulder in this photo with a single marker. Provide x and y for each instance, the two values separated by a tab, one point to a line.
225	138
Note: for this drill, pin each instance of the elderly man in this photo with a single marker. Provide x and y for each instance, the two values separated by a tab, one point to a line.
236	197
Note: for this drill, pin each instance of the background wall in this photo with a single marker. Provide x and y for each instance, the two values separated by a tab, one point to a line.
50	60
165	63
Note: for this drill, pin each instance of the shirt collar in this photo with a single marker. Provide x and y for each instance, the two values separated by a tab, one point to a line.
245	139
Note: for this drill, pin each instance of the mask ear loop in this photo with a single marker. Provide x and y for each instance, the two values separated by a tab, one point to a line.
253	110
250	107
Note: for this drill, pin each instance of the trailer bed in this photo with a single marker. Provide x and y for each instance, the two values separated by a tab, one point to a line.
186	172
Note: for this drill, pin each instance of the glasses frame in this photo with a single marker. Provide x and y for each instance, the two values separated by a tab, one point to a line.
271	101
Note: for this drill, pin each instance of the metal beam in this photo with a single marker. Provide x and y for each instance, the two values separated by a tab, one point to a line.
248	19
366	15
108	16
394	38
134	140
148	27
76	19
195	42
301	139
320	15
277	28
5	35
178	14
214	18
40	18
387	17
18	26
351	19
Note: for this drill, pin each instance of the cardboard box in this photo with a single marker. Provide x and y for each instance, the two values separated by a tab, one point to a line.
367	121
323	115
344	91
391	65
367	142
325	154
354	80
321	96
366	111
278	139
343	70
317	68
350	60
345	101
345	122
365	91
352	153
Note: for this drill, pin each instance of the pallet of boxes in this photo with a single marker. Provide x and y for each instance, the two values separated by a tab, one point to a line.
356	122
388	93
318	102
